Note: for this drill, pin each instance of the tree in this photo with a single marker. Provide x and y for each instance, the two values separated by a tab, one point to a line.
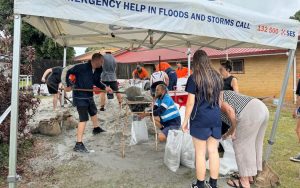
44	47
89	49
6	14
50	50
296	16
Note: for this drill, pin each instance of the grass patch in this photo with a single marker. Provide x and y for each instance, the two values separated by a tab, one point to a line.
286	145
23	83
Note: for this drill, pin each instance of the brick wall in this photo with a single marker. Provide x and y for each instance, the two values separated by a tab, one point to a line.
264	76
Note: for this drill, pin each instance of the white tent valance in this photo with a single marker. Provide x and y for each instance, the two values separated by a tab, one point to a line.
169	23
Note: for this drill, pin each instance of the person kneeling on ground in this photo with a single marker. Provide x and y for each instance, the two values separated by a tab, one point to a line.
166	114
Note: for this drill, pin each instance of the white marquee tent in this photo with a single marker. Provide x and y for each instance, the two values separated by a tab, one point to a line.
130	24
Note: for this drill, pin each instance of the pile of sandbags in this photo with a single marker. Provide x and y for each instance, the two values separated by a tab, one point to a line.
53	126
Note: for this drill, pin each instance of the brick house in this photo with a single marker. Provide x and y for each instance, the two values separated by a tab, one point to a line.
260	72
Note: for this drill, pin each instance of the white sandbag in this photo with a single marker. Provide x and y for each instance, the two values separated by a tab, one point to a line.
228	163
44	90
181	82
35	89
187	158
173	150
139	132
64	74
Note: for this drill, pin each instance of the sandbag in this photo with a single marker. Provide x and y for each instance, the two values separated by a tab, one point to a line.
49	127
44	89
187	158
267	177
228	163
139	132
173	150
64	74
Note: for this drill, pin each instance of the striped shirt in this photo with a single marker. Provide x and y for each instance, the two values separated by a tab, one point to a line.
168	103
237	101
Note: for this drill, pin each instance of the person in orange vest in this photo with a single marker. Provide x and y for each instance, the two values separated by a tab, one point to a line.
166	67
140	73
181	71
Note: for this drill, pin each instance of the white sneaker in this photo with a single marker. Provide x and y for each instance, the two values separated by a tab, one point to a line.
296	158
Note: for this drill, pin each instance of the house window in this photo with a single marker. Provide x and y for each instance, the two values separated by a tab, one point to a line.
238	66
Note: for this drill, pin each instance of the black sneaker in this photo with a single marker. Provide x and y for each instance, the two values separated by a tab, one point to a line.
98	130
102	108
296	158
79	147
207	185
194	185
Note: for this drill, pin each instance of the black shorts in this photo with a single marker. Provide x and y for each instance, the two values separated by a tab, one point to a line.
85	111
52	88
112	84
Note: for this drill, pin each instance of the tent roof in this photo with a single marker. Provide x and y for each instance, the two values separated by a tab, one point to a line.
179	54
156	24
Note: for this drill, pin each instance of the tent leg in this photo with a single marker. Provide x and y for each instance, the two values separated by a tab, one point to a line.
64	65
189	61
12	175
271	140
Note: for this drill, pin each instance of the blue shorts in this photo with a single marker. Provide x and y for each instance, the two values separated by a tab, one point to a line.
173	124
204	133
165	130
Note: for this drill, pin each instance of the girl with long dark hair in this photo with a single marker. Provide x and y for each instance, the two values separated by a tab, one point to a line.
203	112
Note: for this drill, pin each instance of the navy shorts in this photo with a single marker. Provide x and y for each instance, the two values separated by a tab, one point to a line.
165	130
204	133
173	124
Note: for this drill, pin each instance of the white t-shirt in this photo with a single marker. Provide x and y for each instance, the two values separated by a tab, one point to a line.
158	76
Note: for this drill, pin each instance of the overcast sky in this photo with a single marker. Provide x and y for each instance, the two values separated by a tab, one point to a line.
274	8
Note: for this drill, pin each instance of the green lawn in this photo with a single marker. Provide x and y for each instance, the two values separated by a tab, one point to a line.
286	145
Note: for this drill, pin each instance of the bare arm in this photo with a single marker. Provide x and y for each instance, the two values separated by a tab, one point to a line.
234	85
297	106
230	113
48	71
188	111
166	79
133	75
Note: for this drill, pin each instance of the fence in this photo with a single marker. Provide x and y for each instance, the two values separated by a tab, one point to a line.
40	66
25	81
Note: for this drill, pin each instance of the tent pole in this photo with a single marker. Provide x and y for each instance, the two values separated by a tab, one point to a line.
189	61
271	140
189	58
12	175
295	80
64	65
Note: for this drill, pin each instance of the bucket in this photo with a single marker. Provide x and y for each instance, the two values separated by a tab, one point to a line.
276	102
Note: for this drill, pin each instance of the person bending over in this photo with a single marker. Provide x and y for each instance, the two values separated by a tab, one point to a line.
53	83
